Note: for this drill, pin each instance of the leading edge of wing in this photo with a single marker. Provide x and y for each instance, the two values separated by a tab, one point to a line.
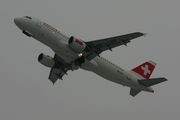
129	36
96	47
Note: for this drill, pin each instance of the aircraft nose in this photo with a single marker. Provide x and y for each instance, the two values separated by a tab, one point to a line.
18	22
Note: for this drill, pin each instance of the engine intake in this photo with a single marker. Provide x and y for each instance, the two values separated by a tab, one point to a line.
76	45
46	60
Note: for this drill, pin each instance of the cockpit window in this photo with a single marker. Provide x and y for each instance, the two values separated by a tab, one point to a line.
28	17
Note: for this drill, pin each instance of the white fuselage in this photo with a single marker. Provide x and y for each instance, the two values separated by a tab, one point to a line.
58	42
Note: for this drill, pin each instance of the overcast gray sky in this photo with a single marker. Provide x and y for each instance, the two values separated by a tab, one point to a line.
27	94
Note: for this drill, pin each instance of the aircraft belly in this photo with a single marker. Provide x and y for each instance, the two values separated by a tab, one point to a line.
89	65
109	72
63	50
107	75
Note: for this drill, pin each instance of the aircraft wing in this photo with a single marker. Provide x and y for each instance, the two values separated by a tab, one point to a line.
94	48
59	70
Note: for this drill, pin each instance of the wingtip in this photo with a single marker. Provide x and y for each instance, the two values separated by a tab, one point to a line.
145	34
53	83
165	79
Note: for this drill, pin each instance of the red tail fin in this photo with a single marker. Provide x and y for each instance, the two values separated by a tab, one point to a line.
145	70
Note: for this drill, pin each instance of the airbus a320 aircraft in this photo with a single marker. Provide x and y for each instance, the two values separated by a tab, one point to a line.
72	53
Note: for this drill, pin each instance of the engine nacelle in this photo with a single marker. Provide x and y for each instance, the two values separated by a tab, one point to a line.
46	60
76	45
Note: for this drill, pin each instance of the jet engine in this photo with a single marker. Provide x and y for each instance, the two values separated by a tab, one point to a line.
76	45
46	60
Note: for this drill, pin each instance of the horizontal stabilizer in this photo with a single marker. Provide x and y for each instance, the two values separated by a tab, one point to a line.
134	92
152	81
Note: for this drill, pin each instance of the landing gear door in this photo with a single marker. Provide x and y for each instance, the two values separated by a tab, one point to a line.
39	23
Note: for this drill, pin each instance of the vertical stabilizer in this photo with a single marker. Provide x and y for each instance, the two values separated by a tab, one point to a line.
144	70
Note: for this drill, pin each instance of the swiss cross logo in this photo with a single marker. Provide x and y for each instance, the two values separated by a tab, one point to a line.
79	42
145	70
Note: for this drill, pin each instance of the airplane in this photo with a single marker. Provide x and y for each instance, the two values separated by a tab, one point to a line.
72	53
